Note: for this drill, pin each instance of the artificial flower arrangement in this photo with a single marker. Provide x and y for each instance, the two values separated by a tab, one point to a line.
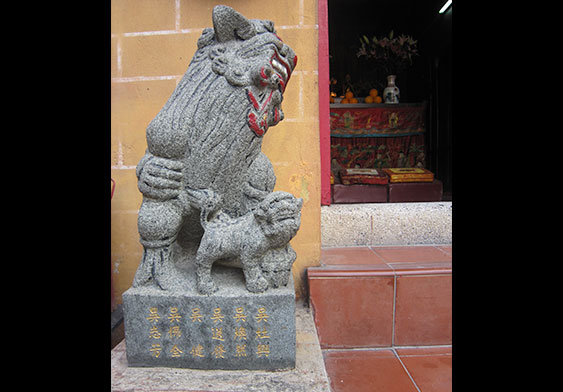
391	54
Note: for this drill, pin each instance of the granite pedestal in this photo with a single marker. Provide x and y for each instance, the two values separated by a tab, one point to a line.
309	374
230	329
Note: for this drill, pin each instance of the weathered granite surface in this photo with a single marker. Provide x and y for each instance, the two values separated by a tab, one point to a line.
309	374
205	182
378	224
208	199
232	329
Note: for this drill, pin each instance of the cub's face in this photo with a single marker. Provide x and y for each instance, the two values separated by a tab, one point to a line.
279	215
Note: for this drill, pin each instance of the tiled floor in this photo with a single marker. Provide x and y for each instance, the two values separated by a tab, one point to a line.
382	296
390	257
383	317
390	370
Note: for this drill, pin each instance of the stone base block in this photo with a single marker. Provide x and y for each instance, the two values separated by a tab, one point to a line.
232	329
309	374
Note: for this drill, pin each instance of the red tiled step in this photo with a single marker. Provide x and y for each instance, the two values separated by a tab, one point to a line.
400	370
429	368
382	296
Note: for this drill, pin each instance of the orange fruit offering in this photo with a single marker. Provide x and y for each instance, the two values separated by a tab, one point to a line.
353	100
349	94
368	99
331	99
345	100
377	100
373	93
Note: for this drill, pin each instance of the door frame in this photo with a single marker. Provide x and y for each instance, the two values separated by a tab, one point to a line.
324	99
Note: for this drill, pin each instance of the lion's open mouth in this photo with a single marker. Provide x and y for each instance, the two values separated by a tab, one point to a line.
285	217
266	110
281	68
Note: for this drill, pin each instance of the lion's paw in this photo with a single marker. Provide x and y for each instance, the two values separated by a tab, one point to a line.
258	285
207	287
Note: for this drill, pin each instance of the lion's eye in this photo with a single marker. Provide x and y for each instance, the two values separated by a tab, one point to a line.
269	25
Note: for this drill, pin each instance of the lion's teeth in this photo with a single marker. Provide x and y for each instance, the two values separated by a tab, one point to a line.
279	67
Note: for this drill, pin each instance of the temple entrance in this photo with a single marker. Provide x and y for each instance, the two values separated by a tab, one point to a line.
382	151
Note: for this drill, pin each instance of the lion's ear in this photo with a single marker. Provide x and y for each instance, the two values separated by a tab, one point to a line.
229	24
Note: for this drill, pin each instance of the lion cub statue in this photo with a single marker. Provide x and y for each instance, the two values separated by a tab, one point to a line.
246	239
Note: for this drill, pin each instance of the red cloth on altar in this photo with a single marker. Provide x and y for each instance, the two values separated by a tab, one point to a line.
383	120
404	151
378	136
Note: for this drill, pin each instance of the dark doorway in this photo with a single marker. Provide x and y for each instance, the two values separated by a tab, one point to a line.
429	78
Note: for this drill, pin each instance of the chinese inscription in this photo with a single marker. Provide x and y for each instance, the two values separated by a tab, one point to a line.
174	316
196	315
197	351
155	350
220	333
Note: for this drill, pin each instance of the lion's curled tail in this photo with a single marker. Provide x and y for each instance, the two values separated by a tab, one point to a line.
207	201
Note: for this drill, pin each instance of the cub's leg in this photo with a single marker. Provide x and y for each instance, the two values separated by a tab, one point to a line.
255	281
204	261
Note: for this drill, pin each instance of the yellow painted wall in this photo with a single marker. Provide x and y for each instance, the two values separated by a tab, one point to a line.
152	43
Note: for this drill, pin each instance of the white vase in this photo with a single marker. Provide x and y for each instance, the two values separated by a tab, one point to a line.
391	93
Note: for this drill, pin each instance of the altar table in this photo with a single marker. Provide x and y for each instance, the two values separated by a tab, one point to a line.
378	135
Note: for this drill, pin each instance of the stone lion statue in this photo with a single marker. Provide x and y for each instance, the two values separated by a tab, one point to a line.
208	136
